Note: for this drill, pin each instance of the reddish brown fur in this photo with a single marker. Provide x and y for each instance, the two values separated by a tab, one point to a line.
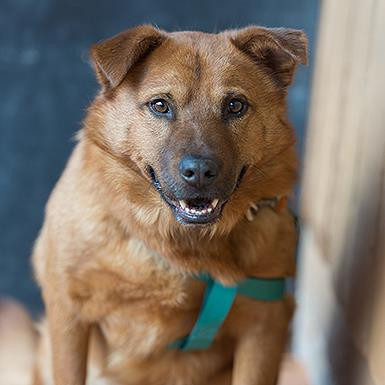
115	266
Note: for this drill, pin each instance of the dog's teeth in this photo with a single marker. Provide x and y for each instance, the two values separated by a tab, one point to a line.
198	210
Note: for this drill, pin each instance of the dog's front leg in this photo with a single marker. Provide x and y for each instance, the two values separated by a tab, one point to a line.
259	351
69	344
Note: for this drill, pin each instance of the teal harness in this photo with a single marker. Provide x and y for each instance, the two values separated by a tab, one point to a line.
217	302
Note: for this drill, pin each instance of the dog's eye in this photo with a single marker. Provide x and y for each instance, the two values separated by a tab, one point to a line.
159	106
236	106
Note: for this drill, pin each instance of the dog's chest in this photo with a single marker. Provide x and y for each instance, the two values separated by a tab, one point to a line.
144	326
139	302
148	320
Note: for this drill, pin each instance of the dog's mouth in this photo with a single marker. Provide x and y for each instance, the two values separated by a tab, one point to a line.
199	210
196	211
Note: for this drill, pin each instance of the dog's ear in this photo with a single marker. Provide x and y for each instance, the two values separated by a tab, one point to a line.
278	49
112	58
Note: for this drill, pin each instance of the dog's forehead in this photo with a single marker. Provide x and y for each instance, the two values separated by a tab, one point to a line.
187	53
198	62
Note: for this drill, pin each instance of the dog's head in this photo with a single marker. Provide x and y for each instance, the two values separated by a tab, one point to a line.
202	117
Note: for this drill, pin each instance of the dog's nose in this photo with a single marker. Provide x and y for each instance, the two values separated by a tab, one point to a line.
198	172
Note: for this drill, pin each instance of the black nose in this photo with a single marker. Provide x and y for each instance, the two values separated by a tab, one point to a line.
198	172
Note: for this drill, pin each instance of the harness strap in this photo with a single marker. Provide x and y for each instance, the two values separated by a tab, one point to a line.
217	302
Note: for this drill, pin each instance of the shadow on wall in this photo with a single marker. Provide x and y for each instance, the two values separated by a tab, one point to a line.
358	286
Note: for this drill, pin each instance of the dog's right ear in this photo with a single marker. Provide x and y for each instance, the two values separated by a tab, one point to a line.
278	49
112	58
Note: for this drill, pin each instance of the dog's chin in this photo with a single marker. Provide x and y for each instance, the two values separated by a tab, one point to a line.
197	211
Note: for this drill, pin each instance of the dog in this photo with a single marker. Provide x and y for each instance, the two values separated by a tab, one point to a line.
182	167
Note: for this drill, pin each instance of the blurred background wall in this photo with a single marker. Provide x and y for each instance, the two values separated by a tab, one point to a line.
47	83
340	320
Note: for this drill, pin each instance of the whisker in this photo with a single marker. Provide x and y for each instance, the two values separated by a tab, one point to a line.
260	171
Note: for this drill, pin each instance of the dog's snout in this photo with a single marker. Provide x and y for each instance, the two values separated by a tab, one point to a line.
198	172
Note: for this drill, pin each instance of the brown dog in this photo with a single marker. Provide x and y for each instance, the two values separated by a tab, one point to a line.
188	131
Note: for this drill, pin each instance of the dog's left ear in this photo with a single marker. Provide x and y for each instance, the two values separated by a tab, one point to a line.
113	58
278	49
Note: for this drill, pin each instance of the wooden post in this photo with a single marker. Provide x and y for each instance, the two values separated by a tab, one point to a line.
340	325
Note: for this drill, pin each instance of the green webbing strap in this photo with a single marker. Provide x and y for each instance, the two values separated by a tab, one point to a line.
217	302
263	289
